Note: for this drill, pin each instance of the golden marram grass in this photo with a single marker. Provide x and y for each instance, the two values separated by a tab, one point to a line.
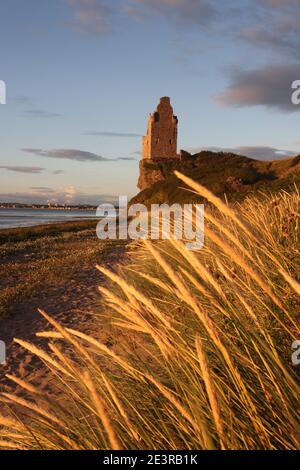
203	356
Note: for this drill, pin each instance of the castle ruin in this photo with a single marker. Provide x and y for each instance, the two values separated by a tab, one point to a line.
159	145
161	139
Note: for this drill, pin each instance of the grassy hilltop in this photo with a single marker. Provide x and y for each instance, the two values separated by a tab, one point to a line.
222	173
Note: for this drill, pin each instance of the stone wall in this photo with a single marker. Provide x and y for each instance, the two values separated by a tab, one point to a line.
149	174
152	171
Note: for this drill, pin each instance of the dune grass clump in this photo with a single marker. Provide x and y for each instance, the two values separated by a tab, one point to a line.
201	350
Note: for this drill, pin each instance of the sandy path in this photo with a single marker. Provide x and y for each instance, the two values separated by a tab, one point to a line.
72	304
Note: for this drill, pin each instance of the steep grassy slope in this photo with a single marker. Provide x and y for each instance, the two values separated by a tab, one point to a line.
222	173
188	350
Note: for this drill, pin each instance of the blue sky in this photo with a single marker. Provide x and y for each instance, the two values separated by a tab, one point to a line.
83	75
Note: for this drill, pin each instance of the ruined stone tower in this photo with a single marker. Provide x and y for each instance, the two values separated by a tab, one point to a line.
161	140
159	145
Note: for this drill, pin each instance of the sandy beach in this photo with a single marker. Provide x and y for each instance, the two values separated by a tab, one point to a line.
52	268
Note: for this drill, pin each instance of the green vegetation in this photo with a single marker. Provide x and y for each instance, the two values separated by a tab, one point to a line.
200	356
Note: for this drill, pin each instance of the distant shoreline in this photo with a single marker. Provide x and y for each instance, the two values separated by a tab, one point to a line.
44	208
32	217
17	234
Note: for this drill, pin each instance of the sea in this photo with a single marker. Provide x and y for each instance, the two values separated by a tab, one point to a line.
13	218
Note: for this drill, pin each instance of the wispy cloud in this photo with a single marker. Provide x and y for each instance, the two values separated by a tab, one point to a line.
275	25
264	152
112	134
268	86
258	152
41	113
32	109
72	154
66	154
42	189
184	12
22	99
269	24
57	172
91	16
23	169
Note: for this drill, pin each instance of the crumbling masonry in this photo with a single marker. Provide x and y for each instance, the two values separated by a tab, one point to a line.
160	143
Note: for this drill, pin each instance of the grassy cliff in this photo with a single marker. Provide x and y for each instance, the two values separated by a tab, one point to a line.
222	173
